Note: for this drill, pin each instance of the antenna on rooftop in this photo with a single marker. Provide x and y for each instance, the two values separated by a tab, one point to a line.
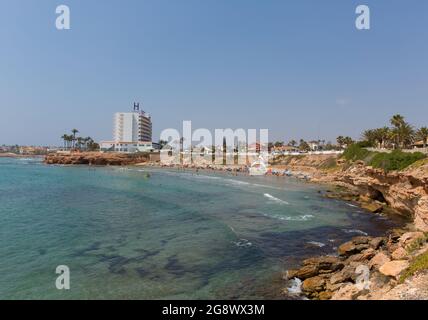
136	106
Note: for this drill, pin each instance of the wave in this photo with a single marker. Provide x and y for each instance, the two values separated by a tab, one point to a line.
317	244
295	286
226	181
270	197
305	217
351	205
355	231
243	243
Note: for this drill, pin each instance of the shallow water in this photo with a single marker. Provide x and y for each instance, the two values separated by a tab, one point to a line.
174	234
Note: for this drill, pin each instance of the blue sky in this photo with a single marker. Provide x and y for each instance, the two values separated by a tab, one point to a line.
298	68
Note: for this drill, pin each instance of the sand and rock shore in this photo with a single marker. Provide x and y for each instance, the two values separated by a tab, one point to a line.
365	267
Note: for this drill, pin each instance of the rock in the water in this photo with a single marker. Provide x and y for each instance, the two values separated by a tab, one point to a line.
349	248
326	263
314	284
315	266
373	207
394	268
303	273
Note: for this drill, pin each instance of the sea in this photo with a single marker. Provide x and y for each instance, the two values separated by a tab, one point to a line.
146	233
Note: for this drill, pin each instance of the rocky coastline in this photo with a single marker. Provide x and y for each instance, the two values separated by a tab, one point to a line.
363	268
95	158
392	267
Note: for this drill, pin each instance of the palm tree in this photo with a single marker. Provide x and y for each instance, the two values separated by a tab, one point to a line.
348	141
378	136
64	137
422	134
404	135
304	146
68	140
370	136
383	135
74	131
80	142
292	143
397	120
279	144
402	131
340	140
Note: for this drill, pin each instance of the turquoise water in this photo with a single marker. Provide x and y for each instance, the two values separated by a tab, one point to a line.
174	234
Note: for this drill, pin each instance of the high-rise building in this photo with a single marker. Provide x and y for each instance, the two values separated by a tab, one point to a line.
133	126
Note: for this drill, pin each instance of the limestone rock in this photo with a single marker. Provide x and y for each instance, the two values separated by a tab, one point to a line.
365	255
421	214
394	268
351	247
373	207
345	275
325	295
409	237
399	254
347	292
375	243
303	273
315	266
379	260
314	284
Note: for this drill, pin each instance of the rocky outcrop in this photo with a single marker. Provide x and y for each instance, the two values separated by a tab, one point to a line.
95	158
365	268
406	192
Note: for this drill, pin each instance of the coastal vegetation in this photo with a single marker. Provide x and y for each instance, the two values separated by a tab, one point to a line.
73	142
420	263
395	160
399	135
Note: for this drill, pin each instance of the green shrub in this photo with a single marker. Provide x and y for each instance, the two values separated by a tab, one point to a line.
396	160
355	152
419	264
330	163
366	144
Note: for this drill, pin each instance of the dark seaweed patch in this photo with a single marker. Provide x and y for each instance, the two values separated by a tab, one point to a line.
93	247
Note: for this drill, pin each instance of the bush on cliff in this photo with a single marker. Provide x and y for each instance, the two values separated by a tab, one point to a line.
356	152
396	160
417	265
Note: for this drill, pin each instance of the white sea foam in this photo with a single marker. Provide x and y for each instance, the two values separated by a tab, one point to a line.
243	243
352	205
355	231
317	244
295	286
305	217
270	197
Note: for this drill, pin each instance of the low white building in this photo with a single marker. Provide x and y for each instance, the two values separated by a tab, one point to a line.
128	146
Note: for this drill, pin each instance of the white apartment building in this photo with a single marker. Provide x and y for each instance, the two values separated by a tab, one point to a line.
132	132
132	127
